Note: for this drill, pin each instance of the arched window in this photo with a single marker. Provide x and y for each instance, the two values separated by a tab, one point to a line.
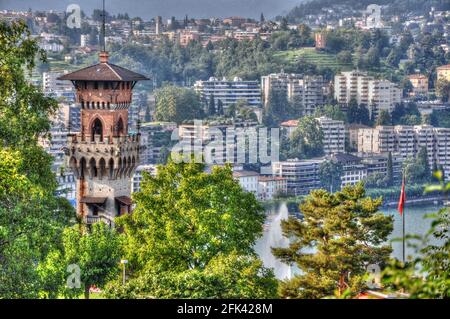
102	167
111	168
92	168
82	167
97	129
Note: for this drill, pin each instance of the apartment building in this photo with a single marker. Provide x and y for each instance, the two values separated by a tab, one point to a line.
138	176
221	143
376	94
352	131
155	136
383	95
52	86
229	92
354	171
270	186
333	135
248	180
406	141
302	175
307	90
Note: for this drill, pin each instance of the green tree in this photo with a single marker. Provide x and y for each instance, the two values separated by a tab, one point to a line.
307	139
220	110
277	109
226	276
384	118
96	251
175	104
330	174
390	170
31	217
184	219
345	57
211	106
332	245
443	89
422	160
332	111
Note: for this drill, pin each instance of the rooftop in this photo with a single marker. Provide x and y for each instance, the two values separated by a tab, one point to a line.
103	71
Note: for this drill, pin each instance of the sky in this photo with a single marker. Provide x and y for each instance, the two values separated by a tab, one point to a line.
148	9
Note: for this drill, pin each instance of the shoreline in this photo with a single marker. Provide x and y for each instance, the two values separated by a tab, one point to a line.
417	200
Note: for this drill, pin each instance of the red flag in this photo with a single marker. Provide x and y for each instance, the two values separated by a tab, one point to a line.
402	200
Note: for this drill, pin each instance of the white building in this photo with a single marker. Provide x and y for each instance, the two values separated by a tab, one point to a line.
333	135
52	86
302	175
377	95
383	95
271	186
138	176
229	92
248	180
407	141
307	91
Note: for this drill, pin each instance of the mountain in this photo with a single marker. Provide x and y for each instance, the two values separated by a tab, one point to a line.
150	8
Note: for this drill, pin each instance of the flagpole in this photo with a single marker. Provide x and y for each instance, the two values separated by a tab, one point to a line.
403	222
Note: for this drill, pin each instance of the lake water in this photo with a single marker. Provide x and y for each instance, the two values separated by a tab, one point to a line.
415	223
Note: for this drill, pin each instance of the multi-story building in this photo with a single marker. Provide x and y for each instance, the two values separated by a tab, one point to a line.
352	131
380	139
155	136
377	95
352	85
307	90
248	180
220	143
52	86
138	176
302	175
419	83
407	141
383	95
354	171
271	186
443	72
333	135
229	92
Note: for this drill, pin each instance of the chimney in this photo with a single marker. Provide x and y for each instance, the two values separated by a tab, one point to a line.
103	56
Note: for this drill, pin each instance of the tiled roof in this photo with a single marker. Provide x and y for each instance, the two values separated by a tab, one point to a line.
290	123
103	72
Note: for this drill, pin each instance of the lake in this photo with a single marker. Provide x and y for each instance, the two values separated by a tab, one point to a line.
415	223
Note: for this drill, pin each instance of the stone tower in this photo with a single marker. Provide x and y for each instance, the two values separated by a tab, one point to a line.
103	155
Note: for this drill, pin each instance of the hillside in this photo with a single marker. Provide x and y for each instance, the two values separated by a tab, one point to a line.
393	7
311	56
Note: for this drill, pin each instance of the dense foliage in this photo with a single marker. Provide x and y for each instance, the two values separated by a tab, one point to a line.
31	217
192	228
338	237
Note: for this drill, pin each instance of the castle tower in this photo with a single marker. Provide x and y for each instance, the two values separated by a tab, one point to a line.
103	155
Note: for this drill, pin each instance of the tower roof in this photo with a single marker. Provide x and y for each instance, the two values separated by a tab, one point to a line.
103	71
